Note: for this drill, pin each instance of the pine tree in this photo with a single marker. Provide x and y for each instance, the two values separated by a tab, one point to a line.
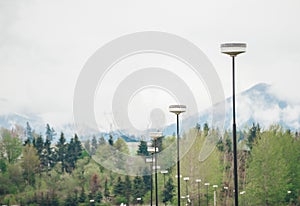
94	145
143	149
253	133
168	192
39	145
102	141
50	133
128	188
82	196
111	140
205	129
106	189
61	153
138	189
28	134
119	187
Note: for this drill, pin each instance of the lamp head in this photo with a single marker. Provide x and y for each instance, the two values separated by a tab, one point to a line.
233	49
177	109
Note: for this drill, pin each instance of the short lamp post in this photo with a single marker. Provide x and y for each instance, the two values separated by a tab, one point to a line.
243	193
186	179
234	49
206	184
178	109
225	194
164	172
215	194
139	200
198	182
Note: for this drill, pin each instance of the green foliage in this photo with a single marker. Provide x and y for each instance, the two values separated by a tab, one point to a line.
168	192
266	172
111	140
30	164
143	149
10	146
270	168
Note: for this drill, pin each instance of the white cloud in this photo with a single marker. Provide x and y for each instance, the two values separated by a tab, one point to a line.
43	45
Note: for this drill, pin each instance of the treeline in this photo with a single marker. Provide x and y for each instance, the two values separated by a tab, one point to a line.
35	170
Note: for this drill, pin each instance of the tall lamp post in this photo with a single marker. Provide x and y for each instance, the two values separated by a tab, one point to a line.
198	182
150	160
154	136
178	109
233	49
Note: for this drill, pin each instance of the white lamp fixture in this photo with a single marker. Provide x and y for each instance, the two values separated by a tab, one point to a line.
186	178
177	109
155	135
233	49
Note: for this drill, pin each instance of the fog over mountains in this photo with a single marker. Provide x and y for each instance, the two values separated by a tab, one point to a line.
258	104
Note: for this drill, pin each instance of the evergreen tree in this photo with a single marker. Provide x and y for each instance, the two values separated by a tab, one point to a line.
253	133
111	140
94	145
39	145
143	149
61	151
128	188
106	189
138	189
119	187
147	180
168	192
205	129
50	133
102	141
28	134
82	197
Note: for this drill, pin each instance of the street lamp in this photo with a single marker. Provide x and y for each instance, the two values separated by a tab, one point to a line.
164	172
139	200
151	150
178	109
186	179
215	194
242	193
233	49
206	184
198	182
155	136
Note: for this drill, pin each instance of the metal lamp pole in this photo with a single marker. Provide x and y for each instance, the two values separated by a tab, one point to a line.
206	184
177	109
198	182
155	135
233	49
164	172
151	150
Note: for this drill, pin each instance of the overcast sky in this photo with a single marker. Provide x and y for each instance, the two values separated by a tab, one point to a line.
45	44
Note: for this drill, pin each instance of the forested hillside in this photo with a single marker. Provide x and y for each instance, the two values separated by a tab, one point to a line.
35	170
